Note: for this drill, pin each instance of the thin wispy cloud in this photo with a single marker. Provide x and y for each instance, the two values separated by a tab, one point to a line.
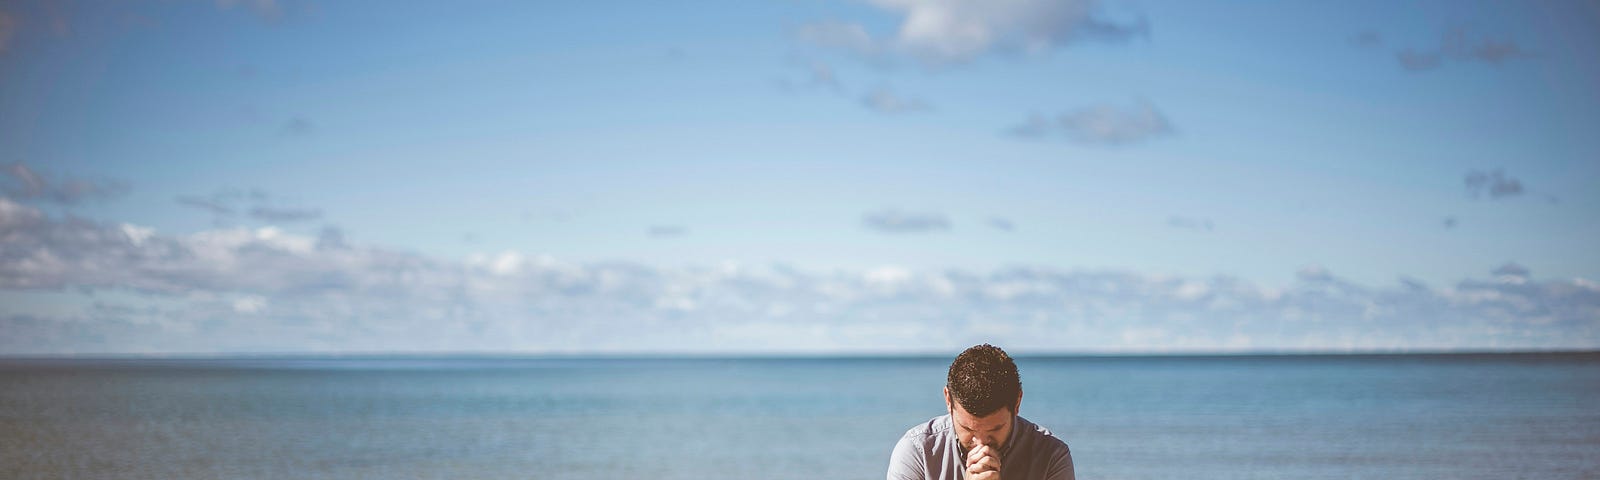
1367	39
529	216
24	183
1416	61
1190	223
8	29
276	214
211	205
1001	223
883	100
331	238
271	11
1494	184
1413	284
1099	125
818	76
845	36
1314	274
1497	184
1114	125
900	221
297	126
1461	45
1511	269
1035	126
667	231
225	205
822	76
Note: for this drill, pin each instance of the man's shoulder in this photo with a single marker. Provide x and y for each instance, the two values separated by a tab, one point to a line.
921	448
1040	438
933	428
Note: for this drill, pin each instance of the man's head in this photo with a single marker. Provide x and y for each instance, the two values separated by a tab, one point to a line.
983	393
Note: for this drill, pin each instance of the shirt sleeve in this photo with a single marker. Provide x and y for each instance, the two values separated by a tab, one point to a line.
1061	466
907	461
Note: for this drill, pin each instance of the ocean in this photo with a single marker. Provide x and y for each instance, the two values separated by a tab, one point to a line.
1125	417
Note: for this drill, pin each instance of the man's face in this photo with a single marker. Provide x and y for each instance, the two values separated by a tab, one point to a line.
993	429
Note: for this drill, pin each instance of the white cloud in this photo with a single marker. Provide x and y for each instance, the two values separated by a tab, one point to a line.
1191	290
250	304
1511	271
238	290
509	262
137	234
944	32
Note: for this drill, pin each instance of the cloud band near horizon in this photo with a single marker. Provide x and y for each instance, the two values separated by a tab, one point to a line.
130	289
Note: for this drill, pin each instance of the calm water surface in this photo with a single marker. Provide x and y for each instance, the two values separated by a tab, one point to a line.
1316	417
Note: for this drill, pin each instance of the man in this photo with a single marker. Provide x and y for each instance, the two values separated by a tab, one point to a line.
981	437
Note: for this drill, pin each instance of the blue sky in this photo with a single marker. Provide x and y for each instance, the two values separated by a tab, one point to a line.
798	176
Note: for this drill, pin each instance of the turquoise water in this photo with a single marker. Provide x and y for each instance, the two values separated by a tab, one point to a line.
1316	417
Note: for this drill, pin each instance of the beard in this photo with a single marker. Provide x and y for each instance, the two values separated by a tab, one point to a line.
963	450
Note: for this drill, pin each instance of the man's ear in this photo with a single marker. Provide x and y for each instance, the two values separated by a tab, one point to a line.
947	398
1017	410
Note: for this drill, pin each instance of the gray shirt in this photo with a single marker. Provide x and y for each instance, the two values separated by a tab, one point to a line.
929	451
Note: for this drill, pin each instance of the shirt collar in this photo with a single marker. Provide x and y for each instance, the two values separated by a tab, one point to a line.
1011	440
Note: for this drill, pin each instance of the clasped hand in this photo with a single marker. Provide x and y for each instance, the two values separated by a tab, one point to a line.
983	462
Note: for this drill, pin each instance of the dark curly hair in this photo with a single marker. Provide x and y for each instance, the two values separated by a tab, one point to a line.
983	379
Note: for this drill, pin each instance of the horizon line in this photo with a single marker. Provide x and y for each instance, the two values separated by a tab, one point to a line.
758	355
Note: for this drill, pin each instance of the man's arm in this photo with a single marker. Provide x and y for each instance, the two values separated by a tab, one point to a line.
907	461
1061	466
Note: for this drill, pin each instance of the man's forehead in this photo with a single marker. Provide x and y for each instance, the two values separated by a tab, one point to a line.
973	422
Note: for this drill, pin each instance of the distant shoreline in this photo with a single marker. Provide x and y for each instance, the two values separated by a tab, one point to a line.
636	356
